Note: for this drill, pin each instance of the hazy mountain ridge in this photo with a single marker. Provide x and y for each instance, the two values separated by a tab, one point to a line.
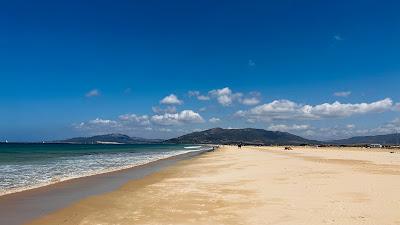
110	138
385	139
234	136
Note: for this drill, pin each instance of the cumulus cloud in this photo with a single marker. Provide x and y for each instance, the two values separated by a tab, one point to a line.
198	95
390	127
338	109
168	109
337	131
342	93
193	93
137	124
350	130
214	120
92	93
288	110
102	121
185	116
171	100
135	119
97	123
225	96
397	107
250	101
203	98
287	128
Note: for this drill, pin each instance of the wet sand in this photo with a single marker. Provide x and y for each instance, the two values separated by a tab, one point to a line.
254	185
18	208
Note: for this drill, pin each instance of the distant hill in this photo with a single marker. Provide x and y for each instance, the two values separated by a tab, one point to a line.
386	139
246	136
110	139
234	136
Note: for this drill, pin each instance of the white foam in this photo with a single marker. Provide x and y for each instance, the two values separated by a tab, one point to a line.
192	147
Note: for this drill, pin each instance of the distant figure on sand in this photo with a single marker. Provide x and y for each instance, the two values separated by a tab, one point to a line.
240	145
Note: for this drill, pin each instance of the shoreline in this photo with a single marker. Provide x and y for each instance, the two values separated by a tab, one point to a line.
62	193
57	181
252	185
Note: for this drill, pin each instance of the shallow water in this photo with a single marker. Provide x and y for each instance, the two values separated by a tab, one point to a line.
26	166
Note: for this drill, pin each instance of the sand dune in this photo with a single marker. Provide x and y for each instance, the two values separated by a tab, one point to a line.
254	185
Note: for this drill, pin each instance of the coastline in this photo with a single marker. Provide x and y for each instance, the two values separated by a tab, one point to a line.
254	185
56	181
39	201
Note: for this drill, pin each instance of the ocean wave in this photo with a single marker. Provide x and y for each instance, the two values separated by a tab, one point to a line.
192	147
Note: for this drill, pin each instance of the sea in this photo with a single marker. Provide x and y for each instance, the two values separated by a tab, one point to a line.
28	166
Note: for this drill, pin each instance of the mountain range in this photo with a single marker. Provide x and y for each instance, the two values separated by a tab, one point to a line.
110	139
234	136
245	136
386	139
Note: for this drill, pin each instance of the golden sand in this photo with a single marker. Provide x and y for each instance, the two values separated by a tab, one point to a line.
254	185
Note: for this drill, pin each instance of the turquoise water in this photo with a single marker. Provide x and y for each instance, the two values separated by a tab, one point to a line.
26	166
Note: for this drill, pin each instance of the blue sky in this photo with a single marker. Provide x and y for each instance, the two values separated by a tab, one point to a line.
71	68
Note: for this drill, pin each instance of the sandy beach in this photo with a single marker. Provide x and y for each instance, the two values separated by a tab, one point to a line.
254	185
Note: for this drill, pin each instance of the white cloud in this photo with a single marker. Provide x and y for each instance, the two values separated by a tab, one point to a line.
171	100
140	125
350	130
337	131
397	107
287	128
214	120
198	95
338	109
98	124
276	110
168	109
203	98
193	93
93	93
288	110
390	127
135	119
186	116
342	94
250	101
102	121
225	96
